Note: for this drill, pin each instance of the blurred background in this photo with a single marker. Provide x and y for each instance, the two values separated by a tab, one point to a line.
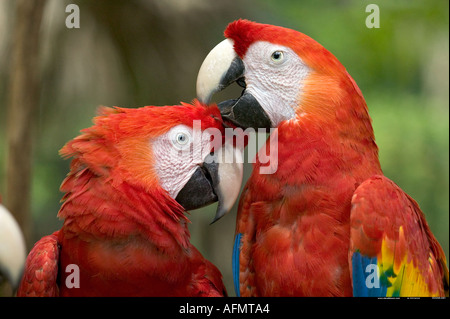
148	52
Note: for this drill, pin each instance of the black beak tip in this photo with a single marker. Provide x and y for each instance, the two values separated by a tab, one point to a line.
198	191
221	210
218	216
245	112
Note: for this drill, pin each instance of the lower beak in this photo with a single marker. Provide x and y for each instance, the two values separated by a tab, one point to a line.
245	112
221	68
219	178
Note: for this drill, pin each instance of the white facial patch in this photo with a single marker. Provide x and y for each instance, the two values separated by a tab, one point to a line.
274	75
177	155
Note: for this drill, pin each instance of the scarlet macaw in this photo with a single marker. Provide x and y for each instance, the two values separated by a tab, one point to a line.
133	175
12	248
327	222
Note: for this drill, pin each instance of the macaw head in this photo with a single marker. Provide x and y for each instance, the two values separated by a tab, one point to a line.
12	249
285	75
178	150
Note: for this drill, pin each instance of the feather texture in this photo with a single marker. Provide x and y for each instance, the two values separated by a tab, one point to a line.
125	234
40	277
313	227
393	234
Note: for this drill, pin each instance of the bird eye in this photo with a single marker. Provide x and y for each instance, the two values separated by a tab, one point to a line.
180	137
277	56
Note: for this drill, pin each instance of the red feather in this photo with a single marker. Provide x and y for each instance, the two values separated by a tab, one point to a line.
295	224
125	234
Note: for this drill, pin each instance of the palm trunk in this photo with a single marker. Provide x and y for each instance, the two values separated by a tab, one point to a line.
24	84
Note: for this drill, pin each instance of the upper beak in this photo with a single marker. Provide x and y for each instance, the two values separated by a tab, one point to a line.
12	249
219	178
221	67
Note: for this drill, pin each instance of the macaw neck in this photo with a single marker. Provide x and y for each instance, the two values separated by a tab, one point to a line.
334	102
333	116
98	206
322	150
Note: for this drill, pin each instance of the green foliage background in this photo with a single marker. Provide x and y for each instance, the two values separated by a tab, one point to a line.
137	53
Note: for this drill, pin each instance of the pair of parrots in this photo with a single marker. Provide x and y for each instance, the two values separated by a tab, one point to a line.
326	222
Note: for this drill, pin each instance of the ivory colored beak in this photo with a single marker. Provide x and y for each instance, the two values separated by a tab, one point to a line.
218	179
12	248
220	68
230	173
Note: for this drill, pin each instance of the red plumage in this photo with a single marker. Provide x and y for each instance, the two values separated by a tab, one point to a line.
126	235
300	215
298	227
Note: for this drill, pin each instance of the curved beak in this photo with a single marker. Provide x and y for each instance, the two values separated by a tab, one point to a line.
12	249
219	178
221	67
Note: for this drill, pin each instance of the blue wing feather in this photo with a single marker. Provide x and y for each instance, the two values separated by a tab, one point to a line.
235	263
362	285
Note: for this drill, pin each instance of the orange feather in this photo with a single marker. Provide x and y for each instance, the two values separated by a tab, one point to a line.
126	235
297	229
